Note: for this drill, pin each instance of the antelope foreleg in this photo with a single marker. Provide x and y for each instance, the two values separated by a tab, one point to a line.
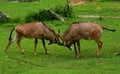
35	46
43	42
78	49
75	49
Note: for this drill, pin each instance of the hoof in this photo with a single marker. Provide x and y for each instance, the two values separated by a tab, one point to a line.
117	53
6	51
35	54
47	52
23	53
77	56
98	55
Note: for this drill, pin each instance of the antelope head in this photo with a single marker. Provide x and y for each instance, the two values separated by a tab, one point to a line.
56	39
64	42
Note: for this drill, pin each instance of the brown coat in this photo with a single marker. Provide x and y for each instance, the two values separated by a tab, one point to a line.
83	30
37	30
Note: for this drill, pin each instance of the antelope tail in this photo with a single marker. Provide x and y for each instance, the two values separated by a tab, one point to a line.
113	30
11	34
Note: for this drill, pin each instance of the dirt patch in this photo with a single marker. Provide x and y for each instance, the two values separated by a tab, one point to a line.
76	2
98	16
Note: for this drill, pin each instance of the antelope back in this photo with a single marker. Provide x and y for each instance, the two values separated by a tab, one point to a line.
81	30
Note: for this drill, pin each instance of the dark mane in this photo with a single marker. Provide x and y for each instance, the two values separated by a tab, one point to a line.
69	27
76	22
66	31
49	28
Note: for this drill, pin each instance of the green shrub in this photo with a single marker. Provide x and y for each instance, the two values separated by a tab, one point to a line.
64	10
45	15
42	15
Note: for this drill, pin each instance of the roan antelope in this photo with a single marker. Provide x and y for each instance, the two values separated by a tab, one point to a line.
83	30
37	30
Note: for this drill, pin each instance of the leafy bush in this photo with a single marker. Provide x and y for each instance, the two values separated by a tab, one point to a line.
65	11
43	15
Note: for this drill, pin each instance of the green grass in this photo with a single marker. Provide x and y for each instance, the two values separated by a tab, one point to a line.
61	60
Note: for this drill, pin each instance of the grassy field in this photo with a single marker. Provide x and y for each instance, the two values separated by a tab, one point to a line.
61	60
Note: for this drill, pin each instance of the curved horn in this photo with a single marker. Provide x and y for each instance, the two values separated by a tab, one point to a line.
60	36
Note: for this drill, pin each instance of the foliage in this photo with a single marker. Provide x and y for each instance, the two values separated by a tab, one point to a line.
44	15
61	60
64	10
